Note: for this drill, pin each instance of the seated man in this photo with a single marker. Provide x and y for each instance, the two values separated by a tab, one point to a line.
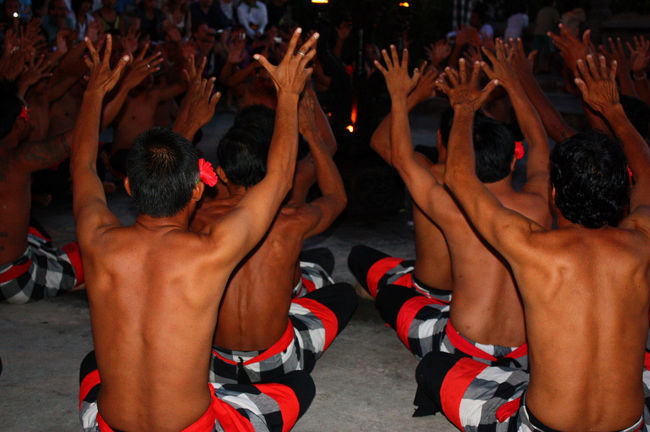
262	332
154	288
485	317
430	272
586	313
30	267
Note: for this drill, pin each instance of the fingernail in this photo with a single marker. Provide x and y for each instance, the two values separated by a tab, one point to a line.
256	56
316	35
298	30
126	58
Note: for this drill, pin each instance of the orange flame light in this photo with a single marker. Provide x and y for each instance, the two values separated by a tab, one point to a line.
404	4
350	128
320	1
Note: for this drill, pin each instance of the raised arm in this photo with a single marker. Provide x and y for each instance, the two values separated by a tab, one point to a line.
598	88
140	69
537	166
242	228
504	229
89	200
424	188
425	89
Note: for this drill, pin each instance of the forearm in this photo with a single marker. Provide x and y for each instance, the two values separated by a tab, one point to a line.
86	134
327	175
461	166
381	138
635	148
235	79
324	127
641	86
552	120
113	108
595	120
531	127
281	162
626	83
400	135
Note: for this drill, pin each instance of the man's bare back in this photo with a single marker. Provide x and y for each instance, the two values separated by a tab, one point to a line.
154	288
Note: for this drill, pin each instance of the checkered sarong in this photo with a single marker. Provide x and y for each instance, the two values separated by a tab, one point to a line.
42	271
313	277
314	321
272	407
423	326
375	270
477	397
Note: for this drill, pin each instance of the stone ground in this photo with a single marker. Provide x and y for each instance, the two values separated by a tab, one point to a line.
364	382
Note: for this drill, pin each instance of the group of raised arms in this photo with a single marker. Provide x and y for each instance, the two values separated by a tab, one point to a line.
527	305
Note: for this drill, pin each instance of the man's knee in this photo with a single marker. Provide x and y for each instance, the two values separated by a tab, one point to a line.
361	259
339	298
321	256
390	300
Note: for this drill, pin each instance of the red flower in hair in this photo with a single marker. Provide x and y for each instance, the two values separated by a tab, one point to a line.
519	150
24	113
206	173
629	171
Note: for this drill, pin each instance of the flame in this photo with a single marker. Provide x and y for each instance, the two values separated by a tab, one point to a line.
404	4
320	1
350	128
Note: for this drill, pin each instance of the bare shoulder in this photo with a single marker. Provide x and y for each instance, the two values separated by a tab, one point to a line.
638	221
298	217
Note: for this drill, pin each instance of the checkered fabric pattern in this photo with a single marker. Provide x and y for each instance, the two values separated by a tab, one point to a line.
461	13
263	407
375	270
315	320
423	326
313	277
48	272
479	398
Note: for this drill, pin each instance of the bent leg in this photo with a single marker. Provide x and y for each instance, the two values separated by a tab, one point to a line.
473	395
374	269
319	317
321	256
264	407
419	321
316	266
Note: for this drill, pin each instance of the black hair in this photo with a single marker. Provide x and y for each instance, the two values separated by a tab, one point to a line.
10	107
242	156
494	145
163	169
638	112
259	120
76	4
592	185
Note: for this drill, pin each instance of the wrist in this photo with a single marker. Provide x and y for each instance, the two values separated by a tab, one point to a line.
613	112
288	96
464	109
94	95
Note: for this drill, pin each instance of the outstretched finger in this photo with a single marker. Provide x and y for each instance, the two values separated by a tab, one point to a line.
291	49
462	70
265	63
476	72
489	87
94	56
442	85
612	72
584	70
107	50
309	44
387	60
452	76
405	58
604	74
117	72
380	68
582	86
489	54
143	51
307	58
593	69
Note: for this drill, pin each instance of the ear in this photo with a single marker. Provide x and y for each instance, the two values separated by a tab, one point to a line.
197	193
222	174
127	186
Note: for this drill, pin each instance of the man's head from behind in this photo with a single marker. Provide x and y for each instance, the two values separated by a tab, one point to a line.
590	179
162	171
242	157
494	145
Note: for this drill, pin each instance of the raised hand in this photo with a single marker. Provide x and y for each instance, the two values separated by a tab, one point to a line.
37	69
598	83
292	72
102	79
192	71
426	86
200	101
396	73
142	67
462	87
521	63
501	69
640	54
616	53
437	52
473	55
571	48
236	51
131	40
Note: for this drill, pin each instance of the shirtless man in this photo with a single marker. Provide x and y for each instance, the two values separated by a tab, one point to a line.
430	273
262	333
585	286
30	267
485	317
152	348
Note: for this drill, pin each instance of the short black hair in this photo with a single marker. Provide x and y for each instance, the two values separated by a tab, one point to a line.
163	169
10	107
494	145
638	112
242	156
592	185
259	120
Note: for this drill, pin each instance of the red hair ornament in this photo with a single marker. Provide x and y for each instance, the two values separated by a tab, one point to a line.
206	173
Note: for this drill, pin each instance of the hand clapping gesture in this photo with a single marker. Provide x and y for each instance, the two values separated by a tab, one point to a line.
292	72
462	87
